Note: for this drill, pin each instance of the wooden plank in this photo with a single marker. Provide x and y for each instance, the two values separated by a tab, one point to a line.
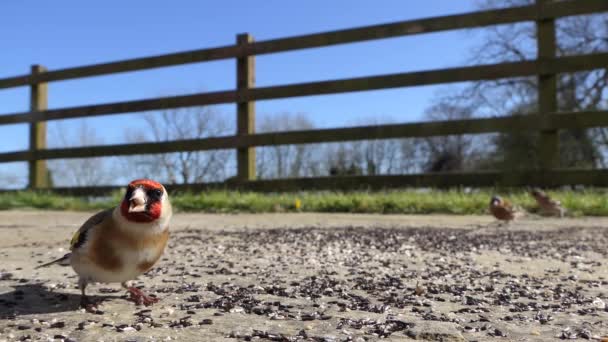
441	76
125	149
9	157
38	172
393	131
396	29
135	64
576	120
15	81
265	93
547	87
278	138
554	178
551	65
302	89
509	124
429	25
402	28
560	9
438	180
408	79
245	117
122	107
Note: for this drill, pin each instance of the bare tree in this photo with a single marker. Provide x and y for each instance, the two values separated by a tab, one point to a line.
342	159
78	171
518	96
11	180
182	167
373	157
452	152
410	159
287	160
517	42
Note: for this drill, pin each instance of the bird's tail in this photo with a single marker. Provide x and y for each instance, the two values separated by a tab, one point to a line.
63	261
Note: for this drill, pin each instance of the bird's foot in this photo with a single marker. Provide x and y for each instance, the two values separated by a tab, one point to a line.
139	297
90	306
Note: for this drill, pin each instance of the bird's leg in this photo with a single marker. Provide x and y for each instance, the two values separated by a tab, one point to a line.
138	296
85	302
496	224
493	226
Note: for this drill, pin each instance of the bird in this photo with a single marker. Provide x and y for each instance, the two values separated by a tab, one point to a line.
547	205
119	244
502	209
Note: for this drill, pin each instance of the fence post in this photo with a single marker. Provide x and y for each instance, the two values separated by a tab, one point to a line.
245	74
38	174
547	88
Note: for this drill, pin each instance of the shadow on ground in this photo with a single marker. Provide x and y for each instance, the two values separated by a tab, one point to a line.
34	299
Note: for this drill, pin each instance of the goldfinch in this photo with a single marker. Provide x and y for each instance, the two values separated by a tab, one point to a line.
119	244
547	205
502	209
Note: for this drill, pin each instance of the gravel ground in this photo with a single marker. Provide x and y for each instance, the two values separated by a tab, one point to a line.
321	277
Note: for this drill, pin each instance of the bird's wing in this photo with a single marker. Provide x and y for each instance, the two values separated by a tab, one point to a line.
501	212
555	202
80	236
508	206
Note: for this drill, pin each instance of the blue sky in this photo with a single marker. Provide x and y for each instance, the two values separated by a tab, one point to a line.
63	33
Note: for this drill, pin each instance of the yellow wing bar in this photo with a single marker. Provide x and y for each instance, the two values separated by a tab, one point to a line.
74	240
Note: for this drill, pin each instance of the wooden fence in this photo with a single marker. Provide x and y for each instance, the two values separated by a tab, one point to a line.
547	121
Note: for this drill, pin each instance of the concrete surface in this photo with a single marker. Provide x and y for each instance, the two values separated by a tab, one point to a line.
321	277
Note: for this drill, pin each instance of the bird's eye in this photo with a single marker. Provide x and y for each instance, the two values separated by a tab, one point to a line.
155	194
129	193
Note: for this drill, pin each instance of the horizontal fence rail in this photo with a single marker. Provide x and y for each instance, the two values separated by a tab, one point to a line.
410	27
510	124
408	79
545	67
553	178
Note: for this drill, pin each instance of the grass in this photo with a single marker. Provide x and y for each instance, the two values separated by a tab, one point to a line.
579	203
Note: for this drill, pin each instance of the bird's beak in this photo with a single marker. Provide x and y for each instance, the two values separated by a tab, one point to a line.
137	202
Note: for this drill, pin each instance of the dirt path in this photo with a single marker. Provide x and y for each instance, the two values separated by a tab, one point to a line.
321	277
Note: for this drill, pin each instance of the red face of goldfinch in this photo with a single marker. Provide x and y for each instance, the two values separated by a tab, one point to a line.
143	201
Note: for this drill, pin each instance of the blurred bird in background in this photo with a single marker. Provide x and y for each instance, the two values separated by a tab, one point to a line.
548	206
503	210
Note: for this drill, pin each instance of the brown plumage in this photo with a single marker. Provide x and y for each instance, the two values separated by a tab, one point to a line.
502	209
547	205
